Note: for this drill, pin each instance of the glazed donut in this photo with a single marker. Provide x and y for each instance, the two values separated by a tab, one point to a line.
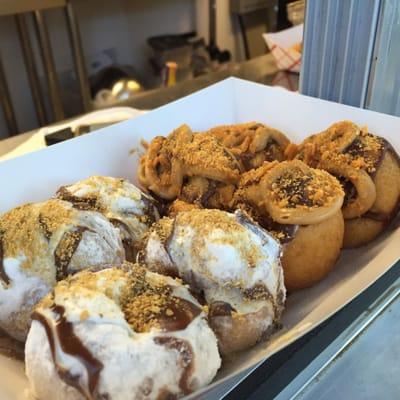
123	204
252	143
301	207
43	243
369	170
119	333
229	262
168	161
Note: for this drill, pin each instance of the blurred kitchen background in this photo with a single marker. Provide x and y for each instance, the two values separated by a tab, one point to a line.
63	58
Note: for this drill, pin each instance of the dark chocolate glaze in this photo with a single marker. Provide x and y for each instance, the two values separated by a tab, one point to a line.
265	223
261	292
220	309
44	227
151	208
272	152
380	217
186	356
295	189
184	312
161	204
80	203
71	344
211	189
356	148
3	275
350	191
66	249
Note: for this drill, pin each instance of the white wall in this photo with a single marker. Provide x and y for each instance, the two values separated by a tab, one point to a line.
122	25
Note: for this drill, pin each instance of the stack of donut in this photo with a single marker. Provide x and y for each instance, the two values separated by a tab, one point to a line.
122	294
99	327
338	188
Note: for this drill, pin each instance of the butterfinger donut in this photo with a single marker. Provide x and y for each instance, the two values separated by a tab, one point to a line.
252	143
369	170
301	206
174	161
228	260
119	333
123	204
43	243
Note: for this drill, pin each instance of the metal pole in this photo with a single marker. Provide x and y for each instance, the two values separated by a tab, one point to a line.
48	63
31	69
76	45
7	104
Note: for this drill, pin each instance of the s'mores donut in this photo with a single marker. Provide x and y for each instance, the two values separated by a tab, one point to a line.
119	333
230	263
41	244
123	204
301	206
369	169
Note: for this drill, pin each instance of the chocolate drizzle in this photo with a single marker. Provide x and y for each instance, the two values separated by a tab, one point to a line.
186	356
182	312
284	233
3	275
66	249
80	203
358	149
44	227
350	191
261	292
220	309
70	344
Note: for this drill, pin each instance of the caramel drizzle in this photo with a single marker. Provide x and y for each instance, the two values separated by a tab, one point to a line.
3	275
66	249
70	344
186	356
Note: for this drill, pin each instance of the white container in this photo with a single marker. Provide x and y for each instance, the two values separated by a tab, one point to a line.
37	175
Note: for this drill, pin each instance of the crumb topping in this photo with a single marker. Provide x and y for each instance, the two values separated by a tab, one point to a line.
295	188
206	221
144	303
27	230
252	143
344	143
365	152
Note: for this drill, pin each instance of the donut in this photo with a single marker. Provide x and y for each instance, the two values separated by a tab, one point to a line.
301	207
122	203
119	333
369	170
41	244
252	143
190	167
230	263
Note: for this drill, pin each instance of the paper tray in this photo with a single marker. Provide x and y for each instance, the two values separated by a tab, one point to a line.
36	176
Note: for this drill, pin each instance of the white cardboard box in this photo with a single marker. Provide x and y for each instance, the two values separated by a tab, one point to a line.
36	176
